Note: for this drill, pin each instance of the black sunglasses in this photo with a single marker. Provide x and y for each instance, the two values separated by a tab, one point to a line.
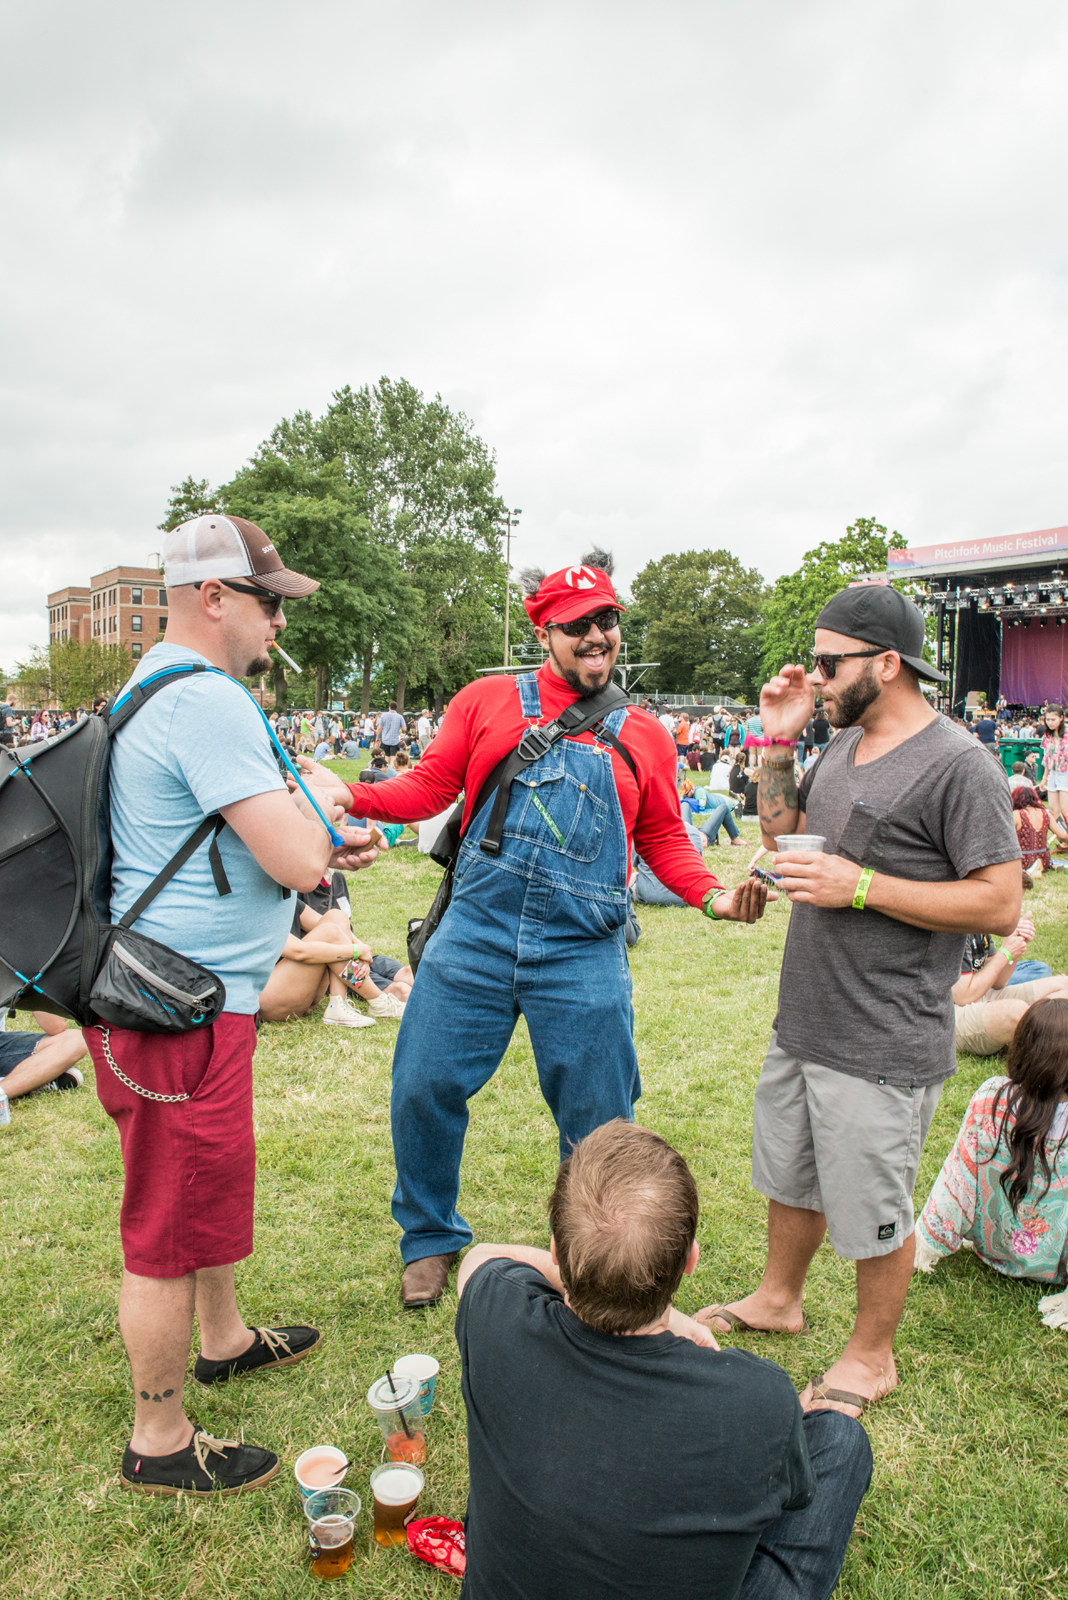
604	620
827	666
271	603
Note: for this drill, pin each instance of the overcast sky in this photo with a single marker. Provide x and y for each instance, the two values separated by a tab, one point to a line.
702	274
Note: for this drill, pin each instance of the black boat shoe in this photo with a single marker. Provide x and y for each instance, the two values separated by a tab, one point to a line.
233	1469
272	1347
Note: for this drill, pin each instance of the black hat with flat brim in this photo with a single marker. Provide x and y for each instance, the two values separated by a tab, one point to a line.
879	615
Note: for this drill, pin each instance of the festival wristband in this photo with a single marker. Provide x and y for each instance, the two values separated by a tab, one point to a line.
706	904
1009	958
863	885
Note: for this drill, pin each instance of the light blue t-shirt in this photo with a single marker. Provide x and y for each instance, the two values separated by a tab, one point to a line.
391	727
197	745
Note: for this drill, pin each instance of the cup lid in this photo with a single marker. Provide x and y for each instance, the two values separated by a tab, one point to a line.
380	1397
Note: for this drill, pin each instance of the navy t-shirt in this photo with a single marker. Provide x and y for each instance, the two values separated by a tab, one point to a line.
605	1467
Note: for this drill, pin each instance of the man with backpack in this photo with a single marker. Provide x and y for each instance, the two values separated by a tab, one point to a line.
537	915
183	1101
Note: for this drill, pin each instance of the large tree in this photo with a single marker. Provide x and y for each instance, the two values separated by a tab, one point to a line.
798	597
699	616
72	673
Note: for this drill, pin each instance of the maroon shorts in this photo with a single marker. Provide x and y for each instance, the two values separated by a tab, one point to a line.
190	1166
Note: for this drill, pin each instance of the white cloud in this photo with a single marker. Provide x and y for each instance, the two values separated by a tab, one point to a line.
701	273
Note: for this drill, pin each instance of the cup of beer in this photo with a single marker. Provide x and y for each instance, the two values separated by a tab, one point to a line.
425	1370
395	1487
399	1413
321	1467
799	841
331	1515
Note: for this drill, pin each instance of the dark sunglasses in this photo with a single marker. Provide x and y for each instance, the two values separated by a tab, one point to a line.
271	603
581	625
827	666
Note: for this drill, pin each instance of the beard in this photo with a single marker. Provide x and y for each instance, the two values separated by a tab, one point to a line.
574	681
851	703
259	667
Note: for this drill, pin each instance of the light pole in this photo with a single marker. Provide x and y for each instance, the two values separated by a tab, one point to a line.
511	520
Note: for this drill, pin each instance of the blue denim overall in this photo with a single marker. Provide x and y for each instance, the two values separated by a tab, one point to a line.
537	930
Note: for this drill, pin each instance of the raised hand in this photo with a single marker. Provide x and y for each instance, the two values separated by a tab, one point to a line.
786	703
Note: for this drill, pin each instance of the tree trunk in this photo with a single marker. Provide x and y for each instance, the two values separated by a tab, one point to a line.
365	692
439	699
280	687
402	683
320	687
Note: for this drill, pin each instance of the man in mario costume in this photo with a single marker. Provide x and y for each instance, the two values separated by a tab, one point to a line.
535	925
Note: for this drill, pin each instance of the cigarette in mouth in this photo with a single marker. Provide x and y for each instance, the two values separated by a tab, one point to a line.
287	659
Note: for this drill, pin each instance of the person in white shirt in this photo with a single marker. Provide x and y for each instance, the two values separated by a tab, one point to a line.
667	721
424	729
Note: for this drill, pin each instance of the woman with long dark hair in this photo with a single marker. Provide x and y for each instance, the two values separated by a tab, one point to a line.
1003	1189
1055	760
1033	824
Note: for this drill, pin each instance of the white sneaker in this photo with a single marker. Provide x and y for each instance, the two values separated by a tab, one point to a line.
386	1005
339	1011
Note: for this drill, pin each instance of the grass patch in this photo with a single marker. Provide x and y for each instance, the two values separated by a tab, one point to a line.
969	1492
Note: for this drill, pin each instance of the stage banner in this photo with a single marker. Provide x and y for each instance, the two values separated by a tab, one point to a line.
1047	542
1034	664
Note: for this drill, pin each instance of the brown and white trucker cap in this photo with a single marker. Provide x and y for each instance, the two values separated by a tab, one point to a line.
214	546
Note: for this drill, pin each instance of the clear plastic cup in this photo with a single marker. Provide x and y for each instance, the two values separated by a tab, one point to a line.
395	1488
799	841
331	1515
398	1411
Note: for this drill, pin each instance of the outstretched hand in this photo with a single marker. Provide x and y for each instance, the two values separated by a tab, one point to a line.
786	703
744	904
322	778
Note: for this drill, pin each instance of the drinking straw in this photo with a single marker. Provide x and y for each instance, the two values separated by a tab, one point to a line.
404	1420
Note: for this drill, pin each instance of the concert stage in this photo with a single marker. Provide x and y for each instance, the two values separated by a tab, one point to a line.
1001	614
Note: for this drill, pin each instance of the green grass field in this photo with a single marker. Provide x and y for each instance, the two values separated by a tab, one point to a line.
971	1467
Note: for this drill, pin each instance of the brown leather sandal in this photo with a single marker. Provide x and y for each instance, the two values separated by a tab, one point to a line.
738	1324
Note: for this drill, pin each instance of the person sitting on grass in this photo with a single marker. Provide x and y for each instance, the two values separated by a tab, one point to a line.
1033	823
614	1449
987	1003
45	1060
715	811
320	956
1003	1188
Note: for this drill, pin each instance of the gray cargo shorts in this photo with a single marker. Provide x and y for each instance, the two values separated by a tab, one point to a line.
825	1141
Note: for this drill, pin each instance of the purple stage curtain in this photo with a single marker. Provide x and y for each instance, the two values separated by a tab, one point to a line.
1034	664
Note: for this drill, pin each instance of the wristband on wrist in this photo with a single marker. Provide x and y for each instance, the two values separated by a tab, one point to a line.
863	885
1011	959
706	903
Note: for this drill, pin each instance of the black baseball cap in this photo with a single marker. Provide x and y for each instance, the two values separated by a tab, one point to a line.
879	615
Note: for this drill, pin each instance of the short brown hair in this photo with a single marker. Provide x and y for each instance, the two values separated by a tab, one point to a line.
624	1216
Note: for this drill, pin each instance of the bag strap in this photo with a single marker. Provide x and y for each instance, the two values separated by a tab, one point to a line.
213	824
579	717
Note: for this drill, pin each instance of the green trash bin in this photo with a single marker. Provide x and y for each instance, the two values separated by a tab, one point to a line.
1013	750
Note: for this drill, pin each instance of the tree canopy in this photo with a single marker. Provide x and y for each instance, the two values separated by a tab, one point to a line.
797	598
699	614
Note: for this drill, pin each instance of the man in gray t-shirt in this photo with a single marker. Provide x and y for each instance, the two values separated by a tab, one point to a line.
918	850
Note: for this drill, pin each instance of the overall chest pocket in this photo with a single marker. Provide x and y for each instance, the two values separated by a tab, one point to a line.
556	809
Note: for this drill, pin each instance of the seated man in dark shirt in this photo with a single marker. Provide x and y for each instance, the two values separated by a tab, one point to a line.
614	1449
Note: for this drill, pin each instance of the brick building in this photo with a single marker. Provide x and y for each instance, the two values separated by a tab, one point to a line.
125	605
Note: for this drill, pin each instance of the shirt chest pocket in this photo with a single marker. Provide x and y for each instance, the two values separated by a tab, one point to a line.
557	810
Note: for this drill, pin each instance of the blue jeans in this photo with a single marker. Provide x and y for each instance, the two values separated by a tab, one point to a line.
800	1556
1028	971
721	814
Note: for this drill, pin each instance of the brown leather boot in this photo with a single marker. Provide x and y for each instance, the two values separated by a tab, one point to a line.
423	1282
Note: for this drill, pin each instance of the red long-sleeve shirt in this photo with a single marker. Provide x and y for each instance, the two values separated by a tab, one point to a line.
484	722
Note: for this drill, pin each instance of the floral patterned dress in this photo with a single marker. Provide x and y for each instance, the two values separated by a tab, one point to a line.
1054	752
968	1202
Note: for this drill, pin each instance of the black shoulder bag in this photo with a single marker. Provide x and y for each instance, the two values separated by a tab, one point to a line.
579	717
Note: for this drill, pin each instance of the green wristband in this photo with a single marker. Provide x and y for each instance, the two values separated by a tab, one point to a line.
706	904
863	885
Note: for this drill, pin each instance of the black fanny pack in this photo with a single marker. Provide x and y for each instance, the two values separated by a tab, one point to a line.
147	987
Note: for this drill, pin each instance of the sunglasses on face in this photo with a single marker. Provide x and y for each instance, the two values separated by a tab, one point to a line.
271	603
827	666
602	619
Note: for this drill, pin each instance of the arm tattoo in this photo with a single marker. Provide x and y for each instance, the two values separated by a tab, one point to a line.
777	802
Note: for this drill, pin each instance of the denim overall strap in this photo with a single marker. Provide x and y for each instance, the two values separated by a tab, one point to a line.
615	720
529	698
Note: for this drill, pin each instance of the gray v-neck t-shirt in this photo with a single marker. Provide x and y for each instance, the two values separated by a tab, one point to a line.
862	992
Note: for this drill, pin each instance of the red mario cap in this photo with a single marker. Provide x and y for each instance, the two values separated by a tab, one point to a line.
571	593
